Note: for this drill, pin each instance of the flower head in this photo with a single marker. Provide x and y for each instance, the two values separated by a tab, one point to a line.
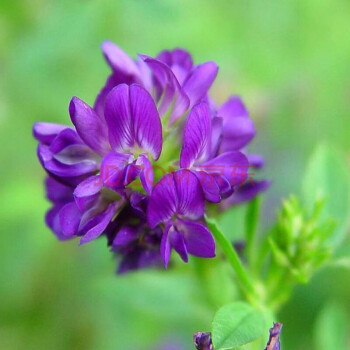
140	165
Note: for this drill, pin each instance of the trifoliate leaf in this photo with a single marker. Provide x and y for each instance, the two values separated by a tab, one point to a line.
235	325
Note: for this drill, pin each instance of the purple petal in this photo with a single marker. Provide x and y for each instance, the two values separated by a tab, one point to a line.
178	57
101	221
113	168
112	81
202	341
256	161
46	132
65	138
177	193
87	192
52	220
146	175
74	154
197	136
118	118
180	62
125	236
274	341
173	94
99	105
145	75
58	192
199	81
139	258
177	242
131	173
146	121
189	194
232	165
90	127
119	60
216	135
247	192
163	201
238	128
237	133
209	186
61	170
133	120
165	248
233	108
139	202
69	217
224	186
199	240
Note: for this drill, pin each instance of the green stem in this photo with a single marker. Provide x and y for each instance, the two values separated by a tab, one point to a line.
232	258
251	223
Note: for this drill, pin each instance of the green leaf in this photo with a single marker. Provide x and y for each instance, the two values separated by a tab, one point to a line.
331	327
327	176
235	325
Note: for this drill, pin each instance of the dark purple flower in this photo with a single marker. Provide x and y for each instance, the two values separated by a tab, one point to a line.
73	214
232	131
91	211
177	202
135	244
202	341
138	246
274	340
219	175
152	114
63	154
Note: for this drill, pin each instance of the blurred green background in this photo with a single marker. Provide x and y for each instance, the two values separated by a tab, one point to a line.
290	60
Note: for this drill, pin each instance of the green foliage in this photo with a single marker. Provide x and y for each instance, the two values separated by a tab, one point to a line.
327	176
332	328
299	241
235	325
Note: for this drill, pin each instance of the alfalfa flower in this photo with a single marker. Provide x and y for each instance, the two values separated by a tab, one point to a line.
139	166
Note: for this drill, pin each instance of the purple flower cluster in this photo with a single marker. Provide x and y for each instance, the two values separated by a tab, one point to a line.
140	165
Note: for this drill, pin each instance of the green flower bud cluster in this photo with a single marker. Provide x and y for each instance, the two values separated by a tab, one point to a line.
300	240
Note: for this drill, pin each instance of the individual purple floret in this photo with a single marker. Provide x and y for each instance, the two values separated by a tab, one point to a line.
202	341
132	240
218	174
140	165
274	340
177	203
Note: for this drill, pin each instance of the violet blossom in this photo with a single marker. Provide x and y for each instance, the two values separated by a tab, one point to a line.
139	166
